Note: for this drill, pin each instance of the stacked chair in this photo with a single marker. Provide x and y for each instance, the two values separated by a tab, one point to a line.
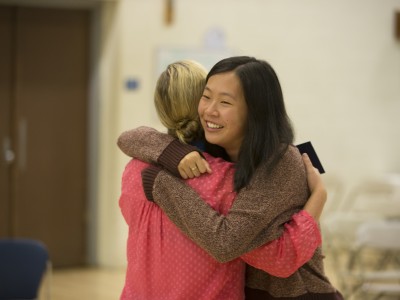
362	237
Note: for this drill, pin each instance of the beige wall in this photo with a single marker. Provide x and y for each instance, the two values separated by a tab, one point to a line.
338	62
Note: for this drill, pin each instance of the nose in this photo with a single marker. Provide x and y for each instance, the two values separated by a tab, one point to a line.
211	109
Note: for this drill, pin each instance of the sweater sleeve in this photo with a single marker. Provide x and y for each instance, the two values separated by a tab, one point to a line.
285	255
257	216
152	146
144	143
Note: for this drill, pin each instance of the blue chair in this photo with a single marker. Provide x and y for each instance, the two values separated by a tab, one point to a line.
23	264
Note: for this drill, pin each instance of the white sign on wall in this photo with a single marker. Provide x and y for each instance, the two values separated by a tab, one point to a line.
206	57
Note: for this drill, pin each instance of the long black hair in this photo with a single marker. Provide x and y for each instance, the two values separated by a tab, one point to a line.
268	130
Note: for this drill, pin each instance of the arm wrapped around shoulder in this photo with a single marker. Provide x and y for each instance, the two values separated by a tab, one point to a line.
144	143
152	146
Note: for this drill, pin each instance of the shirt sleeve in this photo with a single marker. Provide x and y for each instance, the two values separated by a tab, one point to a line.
284	256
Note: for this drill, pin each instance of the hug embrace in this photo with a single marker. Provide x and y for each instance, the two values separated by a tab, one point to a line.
223	206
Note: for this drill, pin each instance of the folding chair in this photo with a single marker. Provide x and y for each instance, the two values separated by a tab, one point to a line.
379	275
372	200
381	283
23	264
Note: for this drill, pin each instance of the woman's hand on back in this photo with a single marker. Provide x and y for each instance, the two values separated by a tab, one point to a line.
193	165
316	202
314	179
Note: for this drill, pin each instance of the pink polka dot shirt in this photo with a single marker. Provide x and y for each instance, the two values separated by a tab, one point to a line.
162	263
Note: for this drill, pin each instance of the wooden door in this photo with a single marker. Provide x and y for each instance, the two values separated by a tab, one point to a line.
49	130
6	74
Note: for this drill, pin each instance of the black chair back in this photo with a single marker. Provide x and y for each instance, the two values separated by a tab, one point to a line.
23	263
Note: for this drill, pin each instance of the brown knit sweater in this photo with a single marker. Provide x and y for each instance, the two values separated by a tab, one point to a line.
256	217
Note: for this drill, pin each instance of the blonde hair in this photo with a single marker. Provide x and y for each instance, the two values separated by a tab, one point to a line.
176	97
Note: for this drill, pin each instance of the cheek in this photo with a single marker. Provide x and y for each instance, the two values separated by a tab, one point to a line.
200	108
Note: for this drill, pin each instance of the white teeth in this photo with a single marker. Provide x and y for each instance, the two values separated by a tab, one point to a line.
212	125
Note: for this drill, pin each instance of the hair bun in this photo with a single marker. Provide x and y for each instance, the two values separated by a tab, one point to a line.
187	130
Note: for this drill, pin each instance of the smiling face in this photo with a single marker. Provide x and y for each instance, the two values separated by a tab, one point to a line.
223	112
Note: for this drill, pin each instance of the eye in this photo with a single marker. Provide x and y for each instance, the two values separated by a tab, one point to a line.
226	102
